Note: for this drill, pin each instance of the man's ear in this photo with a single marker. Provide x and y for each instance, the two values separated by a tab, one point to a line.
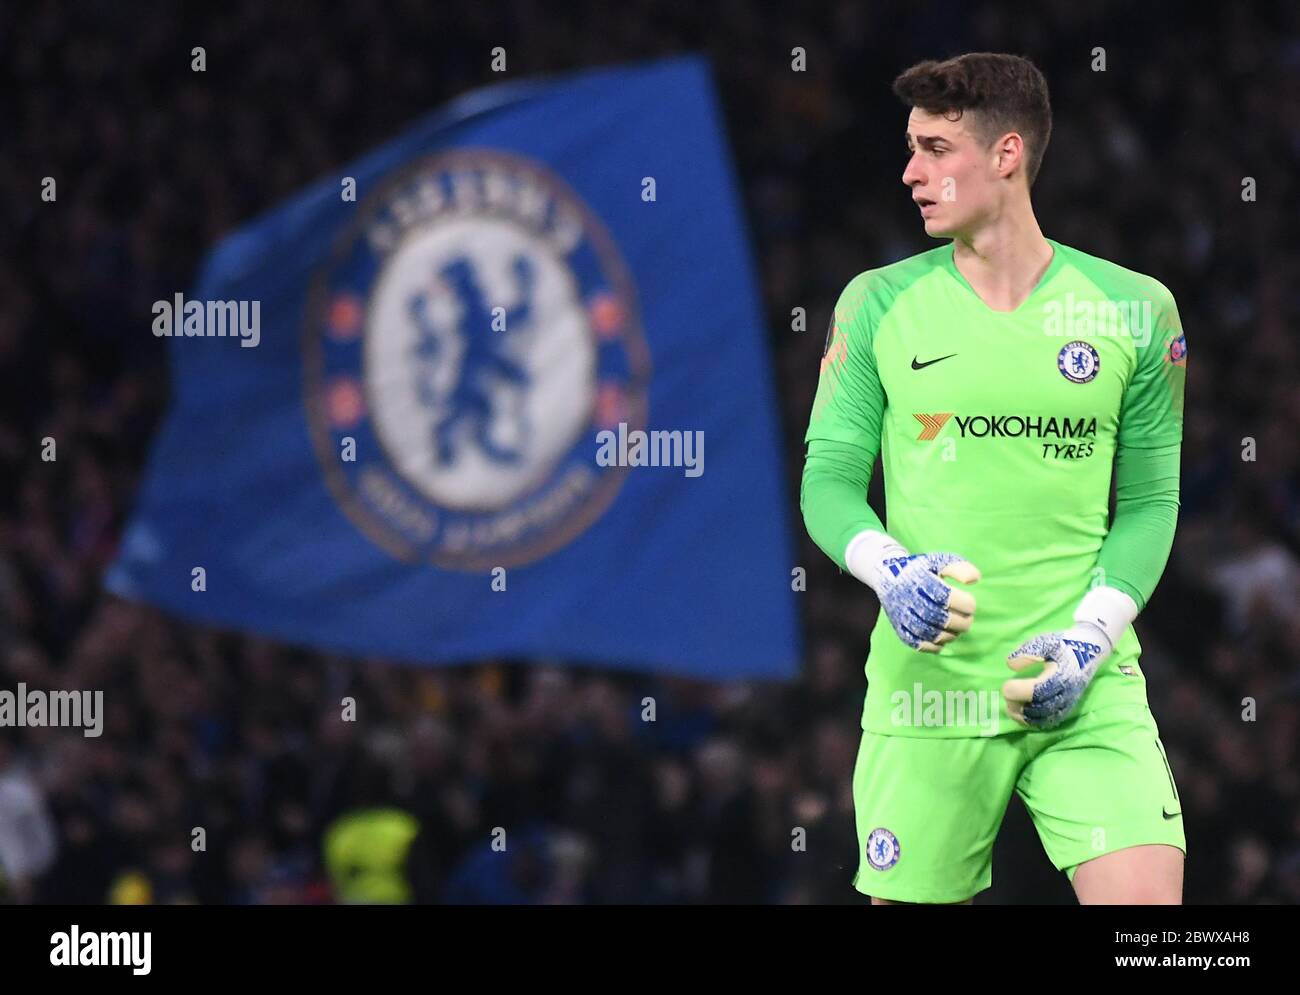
1011	150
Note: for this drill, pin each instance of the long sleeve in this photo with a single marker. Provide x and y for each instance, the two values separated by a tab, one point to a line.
844	430
1134	553
833	496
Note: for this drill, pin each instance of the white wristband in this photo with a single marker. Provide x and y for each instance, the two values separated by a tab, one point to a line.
866	554
1109	609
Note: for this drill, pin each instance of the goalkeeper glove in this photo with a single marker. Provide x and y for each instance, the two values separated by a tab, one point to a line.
924	611
1073	658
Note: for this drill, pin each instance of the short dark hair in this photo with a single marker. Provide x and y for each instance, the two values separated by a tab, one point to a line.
1006	92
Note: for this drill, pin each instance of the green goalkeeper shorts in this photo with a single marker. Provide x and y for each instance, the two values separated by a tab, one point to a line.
928	809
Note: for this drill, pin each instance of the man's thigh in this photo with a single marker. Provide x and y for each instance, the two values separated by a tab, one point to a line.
927	812
1137	875
1100	786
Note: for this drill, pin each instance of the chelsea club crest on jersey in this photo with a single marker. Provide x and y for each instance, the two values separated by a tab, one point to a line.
1078	362
472	330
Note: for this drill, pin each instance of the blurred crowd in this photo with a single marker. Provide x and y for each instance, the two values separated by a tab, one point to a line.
226	772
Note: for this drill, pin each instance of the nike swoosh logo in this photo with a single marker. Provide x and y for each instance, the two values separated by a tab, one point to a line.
930	362
1170	815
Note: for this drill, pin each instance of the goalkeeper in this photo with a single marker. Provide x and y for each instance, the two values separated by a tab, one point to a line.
1003	378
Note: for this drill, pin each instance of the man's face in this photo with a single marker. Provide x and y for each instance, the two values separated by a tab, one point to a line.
951	174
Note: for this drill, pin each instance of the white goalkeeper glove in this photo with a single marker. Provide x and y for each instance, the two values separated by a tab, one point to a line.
924	611
1072	659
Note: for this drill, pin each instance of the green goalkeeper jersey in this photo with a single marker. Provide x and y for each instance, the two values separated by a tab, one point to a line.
997	432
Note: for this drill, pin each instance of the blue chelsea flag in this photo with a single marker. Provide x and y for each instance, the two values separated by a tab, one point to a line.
500	388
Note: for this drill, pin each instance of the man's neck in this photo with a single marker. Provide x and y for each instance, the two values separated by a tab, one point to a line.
1004	261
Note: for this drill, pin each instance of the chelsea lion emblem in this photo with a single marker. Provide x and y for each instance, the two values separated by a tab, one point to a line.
471	330
883	850
1078	362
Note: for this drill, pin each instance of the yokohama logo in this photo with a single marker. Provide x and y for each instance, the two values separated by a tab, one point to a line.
1009	426
931	424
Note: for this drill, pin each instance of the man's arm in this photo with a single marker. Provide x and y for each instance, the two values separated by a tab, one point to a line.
844	431
1134	553
843	440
